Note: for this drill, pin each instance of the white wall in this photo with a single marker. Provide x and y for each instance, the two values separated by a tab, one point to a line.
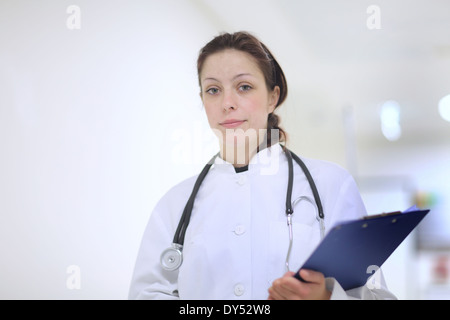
89	120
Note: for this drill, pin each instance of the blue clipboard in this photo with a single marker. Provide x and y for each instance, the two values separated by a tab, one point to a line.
350	250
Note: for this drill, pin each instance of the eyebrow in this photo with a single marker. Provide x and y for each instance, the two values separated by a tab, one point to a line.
234	78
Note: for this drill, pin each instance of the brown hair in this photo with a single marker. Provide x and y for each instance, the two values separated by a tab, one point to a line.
273	74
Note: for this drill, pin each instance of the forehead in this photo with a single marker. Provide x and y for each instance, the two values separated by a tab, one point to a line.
228	63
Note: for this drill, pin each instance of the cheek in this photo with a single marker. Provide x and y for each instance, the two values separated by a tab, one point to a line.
211	114
258	103
258	110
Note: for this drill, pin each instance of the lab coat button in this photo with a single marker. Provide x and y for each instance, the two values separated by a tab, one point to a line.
239	289
240	229
242	179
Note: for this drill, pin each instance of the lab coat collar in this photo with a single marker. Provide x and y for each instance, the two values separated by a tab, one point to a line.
265	162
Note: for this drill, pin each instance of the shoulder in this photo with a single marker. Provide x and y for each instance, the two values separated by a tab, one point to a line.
170	206
338	190
179	192
330	171
331	179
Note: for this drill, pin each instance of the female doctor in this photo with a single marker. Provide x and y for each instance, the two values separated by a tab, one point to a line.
237	243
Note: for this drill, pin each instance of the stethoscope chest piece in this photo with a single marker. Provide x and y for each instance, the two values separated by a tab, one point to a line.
172	257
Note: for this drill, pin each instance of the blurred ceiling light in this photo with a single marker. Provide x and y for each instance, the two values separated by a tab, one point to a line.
390	120
444	107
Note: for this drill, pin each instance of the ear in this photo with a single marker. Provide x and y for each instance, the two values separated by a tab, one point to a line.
273	98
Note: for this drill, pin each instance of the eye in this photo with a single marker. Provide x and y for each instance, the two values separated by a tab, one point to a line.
245	87
212	91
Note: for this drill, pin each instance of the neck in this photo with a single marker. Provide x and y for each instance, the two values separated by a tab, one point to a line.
237	156
239	153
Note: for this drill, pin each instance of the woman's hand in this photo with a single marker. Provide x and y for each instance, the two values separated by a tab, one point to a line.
290	288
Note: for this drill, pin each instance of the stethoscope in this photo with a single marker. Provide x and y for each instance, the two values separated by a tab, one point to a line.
172	258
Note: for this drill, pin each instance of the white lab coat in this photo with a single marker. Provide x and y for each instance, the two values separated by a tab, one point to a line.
237	239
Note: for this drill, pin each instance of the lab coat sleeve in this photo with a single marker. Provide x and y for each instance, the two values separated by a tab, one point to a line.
349	205
373	290
150	280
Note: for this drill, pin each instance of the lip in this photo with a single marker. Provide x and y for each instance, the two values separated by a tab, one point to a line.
232	123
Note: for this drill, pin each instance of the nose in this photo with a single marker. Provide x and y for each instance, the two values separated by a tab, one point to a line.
228	107
228	102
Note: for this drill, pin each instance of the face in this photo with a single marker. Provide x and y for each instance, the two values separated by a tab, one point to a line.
235	96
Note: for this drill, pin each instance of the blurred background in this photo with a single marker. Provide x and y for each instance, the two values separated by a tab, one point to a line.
100	115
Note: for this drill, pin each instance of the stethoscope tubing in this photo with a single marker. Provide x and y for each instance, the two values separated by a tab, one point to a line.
172	257
289	224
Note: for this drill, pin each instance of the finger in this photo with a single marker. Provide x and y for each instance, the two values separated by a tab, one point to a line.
288	288
273	295
289	274
275	292
312	276
278	291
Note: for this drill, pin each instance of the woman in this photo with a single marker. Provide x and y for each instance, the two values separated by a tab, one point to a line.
236	243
